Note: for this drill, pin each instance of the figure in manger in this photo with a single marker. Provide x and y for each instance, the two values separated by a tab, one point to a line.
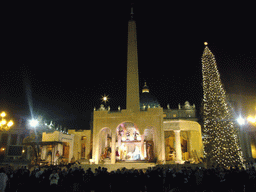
123	151
117	154
136	153
128	136
135	135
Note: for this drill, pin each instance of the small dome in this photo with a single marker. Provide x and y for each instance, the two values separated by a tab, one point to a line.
145	88
147	100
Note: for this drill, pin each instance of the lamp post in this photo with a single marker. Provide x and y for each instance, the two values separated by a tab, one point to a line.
34	123
4	126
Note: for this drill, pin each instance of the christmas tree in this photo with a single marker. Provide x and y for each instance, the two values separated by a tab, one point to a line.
221	142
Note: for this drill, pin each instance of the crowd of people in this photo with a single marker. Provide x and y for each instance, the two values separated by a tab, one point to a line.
159	178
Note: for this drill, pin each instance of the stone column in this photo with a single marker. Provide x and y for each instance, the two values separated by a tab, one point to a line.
245	143
163	160
142	147
248	144
113	149
94	147
71	149
43	153
8	144
178	147
96	157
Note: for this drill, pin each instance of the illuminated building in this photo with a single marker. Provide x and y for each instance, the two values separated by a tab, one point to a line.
144	131
59	147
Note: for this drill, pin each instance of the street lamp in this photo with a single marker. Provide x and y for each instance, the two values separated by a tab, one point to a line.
241	121
4	126
33	123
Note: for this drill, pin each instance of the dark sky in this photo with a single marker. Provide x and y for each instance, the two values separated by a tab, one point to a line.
58	60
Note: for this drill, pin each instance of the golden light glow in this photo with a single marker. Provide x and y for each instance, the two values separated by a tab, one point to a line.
253	147
205	43
2	149
4	125
145	88
10	123
105	98
3	122
251	119
3	114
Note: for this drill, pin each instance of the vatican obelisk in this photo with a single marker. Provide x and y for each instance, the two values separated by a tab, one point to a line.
132	95
107	124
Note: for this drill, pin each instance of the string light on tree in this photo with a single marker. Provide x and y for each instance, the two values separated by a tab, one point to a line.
220	135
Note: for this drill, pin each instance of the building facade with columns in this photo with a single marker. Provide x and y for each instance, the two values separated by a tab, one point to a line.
144	130
57	147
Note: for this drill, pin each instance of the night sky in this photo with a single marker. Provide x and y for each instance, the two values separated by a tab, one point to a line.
57	61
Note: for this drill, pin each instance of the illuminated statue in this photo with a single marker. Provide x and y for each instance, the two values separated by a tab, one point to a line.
136	154
123	151
135	135
128	136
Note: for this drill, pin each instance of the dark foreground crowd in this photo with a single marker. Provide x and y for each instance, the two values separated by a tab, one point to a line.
155	179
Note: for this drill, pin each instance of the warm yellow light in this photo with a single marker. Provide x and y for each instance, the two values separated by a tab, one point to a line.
251	119
3	114
104	98
205	43
10	124
3	122
2	149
